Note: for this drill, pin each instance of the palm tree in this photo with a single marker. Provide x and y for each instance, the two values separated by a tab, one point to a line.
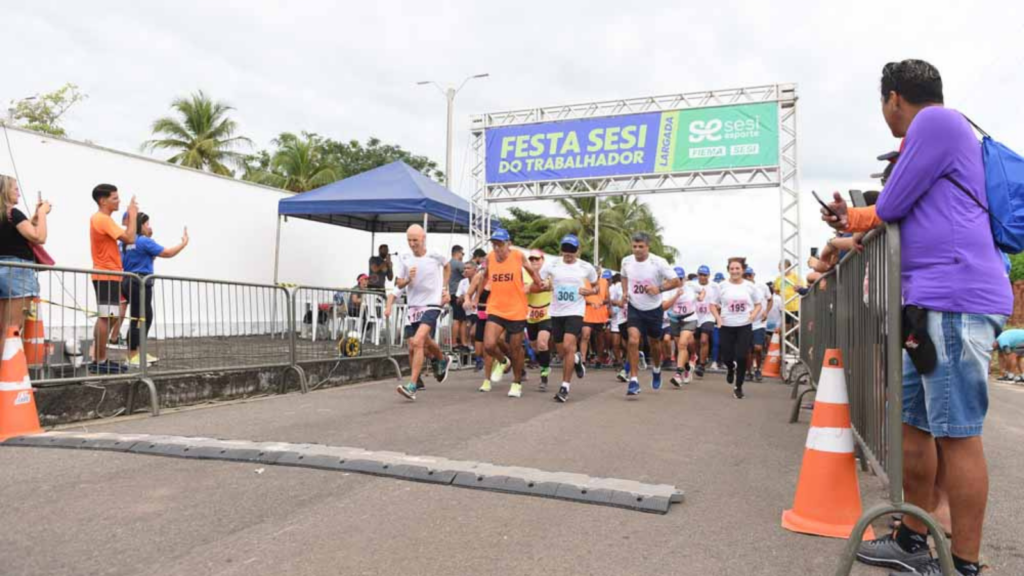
620	217
296	165
203	136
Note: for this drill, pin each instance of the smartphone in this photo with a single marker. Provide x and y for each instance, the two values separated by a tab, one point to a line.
857	197
814	252
823	204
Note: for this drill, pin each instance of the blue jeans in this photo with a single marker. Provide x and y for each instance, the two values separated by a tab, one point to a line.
952	400
17	282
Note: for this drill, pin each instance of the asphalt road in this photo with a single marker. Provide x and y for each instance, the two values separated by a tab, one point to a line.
86	513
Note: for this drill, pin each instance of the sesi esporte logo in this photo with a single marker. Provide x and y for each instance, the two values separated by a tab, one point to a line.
715	129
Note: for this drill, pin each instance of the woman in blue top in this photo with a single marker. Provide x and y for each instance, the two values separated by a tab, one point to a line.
138	259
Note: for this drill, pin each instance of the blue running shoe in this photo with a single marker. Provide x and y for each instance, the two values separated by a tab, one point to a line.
634	388
656	381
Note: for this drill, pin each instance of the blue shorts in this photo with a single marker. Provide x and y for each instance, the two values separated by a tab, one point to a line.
429	318
758	337
17	282
648	322
952	401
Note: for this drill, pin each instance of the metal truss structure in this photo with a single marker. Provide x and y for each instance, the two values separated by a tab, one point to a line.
785	176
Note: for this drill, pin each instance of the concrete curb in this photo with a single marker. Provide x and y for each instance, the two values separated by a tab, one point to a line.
628	494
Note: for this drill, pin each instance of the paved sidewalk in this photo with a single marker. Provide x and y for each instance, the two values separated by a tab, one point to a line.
82	512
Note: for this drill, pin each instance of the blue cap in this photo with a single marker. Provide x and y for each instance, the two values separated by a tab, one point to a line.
749	271
719	277
704	270
680	272
571	240
501	235
607	274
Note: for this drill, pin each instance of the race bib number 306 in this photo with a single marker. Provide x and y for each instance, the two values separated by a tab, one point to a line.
566	293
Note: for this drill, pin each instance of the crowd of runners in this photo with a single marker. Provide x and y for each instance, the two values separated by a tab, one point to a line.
529	310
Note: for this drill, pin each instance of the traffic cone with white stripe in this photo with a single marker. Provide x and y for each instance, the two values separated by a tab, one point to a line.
773	362
18	415
827	499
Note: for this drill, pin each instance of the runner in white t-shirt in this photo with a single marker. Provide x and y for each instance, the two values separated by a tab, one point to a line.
424	277
705	317
740	305
617	321
683	324
569	279
644	277
758	337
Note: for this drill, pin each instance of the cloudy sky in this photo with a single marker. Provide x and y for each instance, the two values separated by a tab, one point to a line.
348	70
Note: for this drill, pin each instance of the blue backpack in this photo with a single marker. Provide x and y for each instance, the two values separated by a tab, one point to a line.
1004	187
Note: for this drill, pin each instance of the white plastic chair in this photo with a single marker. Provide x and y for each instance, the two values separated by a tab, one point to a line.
373	310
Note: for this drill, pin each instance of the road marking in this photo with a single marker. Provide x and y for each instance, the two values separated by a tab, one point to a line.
628	494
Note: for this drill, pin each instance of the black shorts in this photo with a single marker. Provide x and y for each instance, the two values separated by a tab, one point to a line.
595	326
458	313
429	318
648	322
624	329
562	325
108	297
479	330
534	330
510	326
708	328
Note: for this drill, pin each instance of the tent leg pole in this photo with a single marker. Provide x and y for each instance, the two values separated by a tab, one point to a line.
424	221
277	249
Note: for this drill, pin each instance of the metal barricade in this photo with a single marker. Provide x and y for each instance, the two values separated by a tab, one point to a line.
337	324
857	308
60	326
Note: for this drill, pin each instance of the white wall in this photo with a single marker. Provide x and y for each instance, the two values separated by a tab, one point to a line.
231	223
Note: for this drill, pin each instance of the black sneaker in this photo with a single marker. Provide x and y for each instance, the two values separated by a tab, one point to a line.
581	370
563	394
700	370
887	553
730	376
737	392
930	568
419	384
758	377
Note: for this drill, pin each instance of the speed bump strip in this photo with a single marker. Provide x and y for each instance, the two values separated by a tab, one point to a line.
627	494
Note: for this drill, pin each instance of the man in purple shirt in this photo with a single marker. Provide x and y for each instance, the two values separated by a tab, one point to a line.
952	270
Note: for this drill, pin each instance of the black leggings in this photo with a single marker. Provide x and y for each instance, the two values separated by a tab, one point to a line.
734	345
132	288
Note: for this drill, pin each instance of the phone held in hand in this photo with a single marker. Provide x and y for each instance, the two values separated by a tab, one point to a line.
814	252
823	204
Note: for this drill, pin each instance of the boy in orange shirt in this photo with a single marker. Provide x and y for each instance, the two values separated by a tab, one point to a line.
104	234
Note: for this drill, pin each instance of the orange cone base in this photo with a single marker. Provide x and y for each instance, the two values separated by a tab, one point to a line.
795	523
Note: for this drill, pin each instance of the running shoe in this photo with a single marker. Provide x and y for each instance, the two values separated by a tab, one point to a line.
737	392
515	390
730	376
634	387
687	375
499	370
758	377
930	568
408	390
677	379
1019	380
478	365
700	370
419	384
887	553
622	376
643	361
485	387
656	380
544	373
563	394
1005	378
441	369
581	370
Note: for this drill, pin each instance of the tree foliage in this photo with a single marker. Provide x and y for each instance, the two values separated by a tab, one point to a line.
310	161
202	135
1017	267
45	113
621	216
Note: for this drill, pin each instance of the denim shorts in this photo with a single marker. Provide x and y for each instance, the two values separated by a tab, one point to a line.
952	401
17	282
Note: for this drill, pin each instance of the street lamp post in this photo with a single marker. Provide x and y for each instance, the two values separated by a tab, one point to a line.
449	95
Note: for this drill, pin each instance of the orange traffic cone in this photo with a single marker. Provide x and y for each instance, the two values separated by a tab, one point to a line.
827	499
18	415
773	363
34	338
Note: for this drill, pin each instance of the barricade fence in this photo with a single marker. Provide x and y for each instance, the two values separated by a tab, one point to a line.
857	308
161	326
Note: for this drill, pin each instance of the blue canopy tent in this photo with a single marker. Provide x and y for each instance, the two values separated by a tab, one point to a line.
386	199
